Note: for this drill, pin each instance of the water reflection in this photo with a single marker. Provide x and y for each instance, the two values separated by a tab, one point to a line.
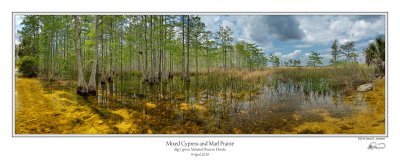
215	105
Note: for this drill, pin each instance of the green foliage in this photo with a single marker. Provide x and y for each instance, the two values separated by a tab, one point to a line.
28	66
126	44
292	63
334	52
296	62
250	54
29	35
224	35
348	49
375	54
274	60
314	59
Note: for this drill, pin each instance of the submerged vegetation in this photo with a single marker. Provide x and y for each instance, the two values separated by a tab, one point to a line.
325	79
160	74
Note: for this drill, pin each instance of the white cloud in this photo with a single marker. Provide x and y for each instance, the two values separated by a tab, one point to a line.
302	46
210	22
364	29
261	30
324	29
314	32
278	54
18	20
370	41
293	55
227	23
18	27
325	58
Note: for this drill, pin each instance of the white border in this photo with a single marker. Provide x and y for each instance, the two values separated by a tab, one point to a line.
14	14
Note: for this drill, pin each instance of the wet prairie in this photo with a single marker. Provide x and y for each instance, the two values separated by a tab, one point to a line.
298	100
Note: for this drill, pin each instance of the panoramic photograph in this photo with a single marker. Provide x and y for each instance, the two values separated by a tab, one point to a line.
199	74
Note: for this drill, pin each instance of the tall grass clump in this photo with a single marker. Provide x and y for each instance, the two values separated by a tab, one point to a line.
323	79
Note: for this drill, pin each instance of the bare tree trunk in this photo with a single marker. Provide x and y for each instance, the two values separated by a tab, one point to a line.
65	43
130	46
224	57
197	60
50	61
103	65
138	57
92	80
165	60
121	51
187	79
171	66
160	48
151	81
154	71
82	88
65	35
239	61
145	74
110	79
183	47
231	56
208	62
139	54
171	70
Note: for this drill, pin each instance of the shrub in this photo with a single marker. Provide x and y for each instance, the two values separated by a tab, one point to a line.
28	66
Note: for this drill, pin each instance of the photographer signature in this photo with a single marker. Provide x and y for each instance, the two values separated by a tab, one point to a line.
375	145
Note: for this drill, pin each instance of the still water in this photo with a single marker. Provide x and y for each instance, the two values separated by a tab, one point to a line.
206	105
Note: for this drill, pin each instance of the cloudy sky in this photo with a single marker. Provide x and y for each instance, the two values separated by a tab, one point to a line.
296	36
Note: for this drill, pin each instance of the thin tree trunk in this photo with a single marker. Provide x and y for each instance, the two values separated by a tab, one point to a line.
82	88
165	75
224	58
120	58
64	44
49	61
139	53
208	62
160	57
92	81
239	61
103	65
151	81
110	79
187	79
197	60
171	70
130	46
121	51
145	74
183	47
154	53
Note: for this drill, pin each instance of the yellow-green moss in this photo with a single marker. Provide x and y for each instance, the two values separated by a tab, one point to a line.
38	112
368	121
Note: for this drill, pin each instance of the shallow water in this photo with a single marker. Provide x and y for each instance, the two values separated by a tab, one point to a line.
206	105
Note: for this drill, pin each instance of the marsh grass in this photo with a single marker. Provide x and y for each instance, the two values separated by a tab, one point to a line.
323	79
231	102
